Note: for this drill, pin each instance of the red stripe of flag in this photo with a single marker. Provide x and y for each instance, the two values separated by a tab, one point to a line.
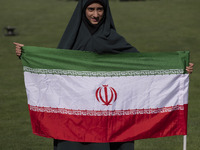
118	128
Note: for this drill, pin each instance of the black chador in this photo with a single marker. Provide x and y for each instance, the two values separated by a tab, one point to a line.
80	34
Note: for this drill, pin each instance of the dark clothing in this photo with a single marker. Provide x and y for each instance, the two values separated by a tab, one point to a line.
77	35
80	34
67	145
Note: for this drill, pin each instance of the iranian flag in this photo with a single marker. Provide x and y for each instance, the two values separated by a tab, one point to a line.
87	97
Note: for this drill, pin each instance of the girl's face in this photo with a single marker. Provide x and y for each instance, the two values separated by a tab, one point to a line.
94	13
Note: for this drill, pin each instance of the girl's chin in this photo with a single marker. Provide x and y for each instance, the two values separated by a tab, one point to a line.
94	22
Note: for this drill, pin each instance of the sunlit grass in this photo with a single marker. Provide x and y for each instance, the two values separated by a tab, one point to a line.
152	25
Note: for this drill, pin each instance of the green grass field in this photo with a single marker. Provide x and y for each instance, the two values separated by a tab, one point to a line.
151	25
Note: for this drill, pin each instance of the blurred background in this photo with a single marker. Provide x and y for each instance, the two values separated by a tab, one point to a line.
149	25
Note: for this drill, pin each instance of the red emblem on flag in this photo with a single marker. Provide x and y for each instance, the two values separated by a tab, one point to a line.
106	96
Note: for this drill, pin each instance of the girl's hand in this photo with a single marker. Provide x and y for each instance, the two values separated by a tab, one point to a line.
189	68
18	48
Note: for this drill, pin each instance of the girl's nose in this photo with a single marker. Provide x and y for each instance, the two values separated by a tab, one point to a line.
95	14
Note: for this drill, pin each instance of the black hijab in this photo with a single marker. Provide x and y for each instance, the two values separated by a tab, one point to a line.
101	38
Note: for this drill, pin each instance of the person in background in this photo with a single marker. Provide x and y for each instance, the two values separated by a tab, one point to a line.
91	28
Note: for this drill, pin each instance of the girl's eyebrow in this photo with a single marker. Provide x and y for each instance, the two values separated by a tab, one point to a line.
94	7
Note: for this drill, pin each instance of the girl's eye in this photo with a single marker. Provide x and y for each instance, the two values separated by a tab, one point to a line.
91	9
100	9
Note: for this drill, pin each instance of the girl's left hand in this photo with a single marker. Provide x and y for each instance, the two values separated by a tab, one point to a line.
189	68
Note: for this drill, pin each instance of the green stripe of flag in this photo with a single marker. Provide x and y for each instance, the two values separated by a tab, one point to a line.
40	58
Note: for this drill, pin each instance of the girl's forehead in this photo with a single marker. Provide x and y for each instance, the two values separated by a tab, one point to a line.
95	5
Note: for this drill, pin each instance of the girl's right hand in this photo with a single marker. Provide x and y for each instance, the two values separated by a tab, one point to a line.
18	48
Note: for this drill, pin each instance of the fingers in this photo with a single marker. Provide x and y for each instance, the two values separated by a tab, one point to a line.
18	52
18	44
18	48
189	68
191	64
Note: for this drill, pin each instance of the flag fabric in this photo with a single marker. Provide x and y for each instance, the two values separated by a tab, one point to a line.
87	97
